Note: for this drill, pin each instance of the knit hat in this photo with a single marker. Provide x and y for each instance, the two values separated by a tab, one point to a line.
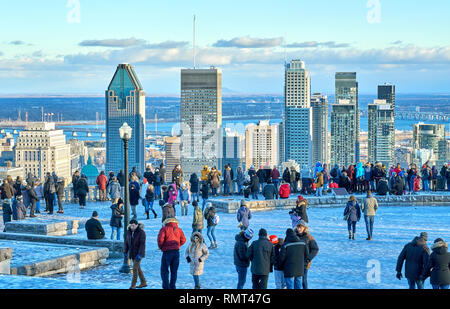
144	180
133	221
161	203
119	201
300	198
302	223
262	232
424	236
94	214
273	239
195	203
243	202
248	233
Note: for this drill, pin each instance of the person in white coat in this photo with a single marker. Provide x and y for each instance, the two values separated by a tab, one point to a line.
196	254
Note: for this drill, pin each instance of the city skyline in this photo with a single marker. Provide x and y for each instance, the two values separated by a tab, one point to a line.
250	49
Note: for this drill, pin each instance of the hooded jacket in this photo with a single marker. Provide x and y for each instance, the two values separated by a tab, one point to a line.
353	211
240	251
101	181
18	210
114	189
194	182
135	242
416	254
244	215
438	264
260	253
300	210
198	254
168	211
360	171
173	193
197	218
293	255
116	216
170	236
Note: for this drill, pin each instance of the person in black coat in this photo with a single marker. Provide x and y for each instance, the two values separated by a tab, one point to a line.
60	194
94	228
82	190
134	199
116	218
269	190
293	256
33	199
148	175
416	254
254	186
240	258
49	193
260	253
280	283
135	250
382	187
194	187
287	175
345	182
352	213
438	266
205	192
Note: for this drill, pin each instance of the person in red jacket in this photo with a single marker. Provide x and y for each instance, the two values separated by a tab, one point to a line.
101	182
285	190
170	239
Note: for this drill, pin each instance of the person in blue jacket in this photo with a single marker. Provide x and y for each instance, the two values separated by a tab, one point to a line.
352	214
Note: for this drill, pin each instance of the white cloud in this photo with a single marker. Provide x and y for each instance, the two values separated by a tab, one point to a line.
248	42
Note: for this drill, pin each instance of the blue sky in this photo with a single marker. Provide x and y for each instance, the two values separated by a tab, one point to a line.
73	46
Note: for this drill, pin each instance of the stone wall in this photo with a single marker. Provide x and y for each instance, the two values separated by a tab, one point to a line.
5	260
43	227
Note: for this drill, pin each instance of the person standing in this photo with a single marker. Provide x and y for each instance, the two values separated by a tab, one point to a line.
33	199
260	254
211	222
438	266
170	239
227	180
150	198
352	214
313	249
49	193
134	198
60	194
19	211
244	215
121	180
75	178
7	193
241	261
114	190
196	254
83	190
434	176
197	218
40	195
143	193
415	254
214	179
101	183
116	218
269	191
278	272
185	199
157	181
369	207
205	192
194	187
319	181
162	171
300	209
240	179
275	175
293	255
254	186
135	250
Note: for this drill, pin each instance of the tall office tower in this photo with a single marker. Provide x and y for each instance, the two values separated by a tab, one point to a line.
281	141
261	144
444	152
381	132
125	102
233	150
346	88
343	133
172	145
387	92
297	113
201	119
41	148
319	106
428	136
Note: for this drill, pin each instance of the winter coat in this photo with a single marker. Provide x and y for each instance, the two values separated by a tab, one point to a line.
275	174
367	173
227	176
82	187
149	176
32	195
205	174
311	243
197	218
7	191
382	187
25	196
254	184
170	236
75	179
134	195
240	178
344	182
286	175
143	190
157	179
7	212
177	177
173	193
116	216
214	178
209	216
60	188
94	229
195	253
261	174
360	173
295	218
194	182
205	190
39	192
353	211
135	242
319	180
17	188
101	181
300	210
269	191
260	253
184	194
240	251
293	255
168	211
369	206
284	191
438	264
121	179
49	187
244	215
19	210
149	195
276	255
416	254
114	189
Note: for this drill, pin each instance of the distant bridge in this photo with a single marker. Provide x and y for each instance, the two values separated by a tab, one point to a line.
418	116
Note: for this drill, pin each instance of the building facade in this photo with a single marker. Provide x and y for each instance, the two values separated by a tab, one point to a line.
261	145
125	102
319	106
40	149
381	132
201	119
297	113
346	88
233	150
343	133
430	137
172	144
387	92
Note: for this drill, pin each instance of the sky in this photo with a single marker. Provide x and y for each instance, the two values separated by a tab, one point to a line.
74	46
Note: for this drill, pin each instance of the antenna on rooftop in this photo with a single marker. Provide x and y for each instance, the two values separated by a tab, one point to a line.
193	45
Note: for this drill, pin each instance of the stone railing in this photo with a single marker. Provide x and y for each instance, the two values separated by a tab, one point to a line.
92	196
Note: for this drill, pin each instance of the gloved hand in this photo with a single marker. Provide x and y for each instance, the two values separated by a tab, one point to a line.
188	259
200	260
138	257
399	275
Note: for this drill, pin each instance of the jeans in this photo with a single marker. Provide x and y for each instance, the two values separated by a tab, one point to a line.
196	280
214	191
279	279
38	205
325	186
275	183
440	286
372	186
369	225
203	204
412	284
425	185
242	276
195	196
239	188
254	195
411	184
170	259
351	225
305	279
211	232
293	283
184	208
226	188
319	191
259	282
158	192
115	230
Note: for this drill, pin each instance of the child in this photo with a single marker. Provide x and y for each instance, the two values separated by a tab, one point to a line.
18	209
172	194
295	219
185	199
196	254
416	184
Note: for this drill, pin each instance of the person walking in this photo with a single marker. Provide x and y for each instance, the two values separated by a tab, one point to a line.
170	239
101	182
116	218
243	215
194	187
369	207
205	193
278	272
196	254
135	250
134	199
415	255
438	265
197	218
150	198
94	228
300	208
241	261
352	214
114	190
302	231
260	254
185	199
293	255
211	221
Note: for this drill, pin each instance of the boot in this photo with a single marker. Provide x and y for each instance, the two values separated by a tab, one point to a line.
142	285
353	236
215	245
212	245
197	287
148	217
349	235
154	213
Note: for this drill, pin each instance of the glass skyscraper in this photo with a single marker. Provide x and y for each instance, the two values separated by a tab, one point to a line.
125	102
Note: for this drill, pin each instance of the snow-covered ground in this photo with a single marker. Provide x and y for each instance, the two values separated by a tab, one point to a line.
341	263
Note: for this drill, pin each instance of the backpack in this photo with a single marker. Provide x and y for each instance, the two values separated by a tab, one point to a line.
216	219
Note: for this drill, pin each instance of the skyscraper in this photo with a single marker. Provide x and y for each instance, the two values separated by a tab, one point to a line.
346	88
381	132
261	144
430	137
387	92
233	150
297	113
173	155
201	119
343	133
319	106
125	102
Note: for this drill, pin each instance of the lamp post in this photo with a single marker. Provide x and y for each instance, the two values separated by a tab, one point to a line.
125	134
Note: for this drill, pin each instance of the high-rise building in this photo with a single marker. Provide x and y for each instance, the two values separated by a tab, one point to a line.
40	149
233	150
346	88
319	106
381	132
125	102
201	119
172	145
261	144
343	133
297	113
429	136
387	92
